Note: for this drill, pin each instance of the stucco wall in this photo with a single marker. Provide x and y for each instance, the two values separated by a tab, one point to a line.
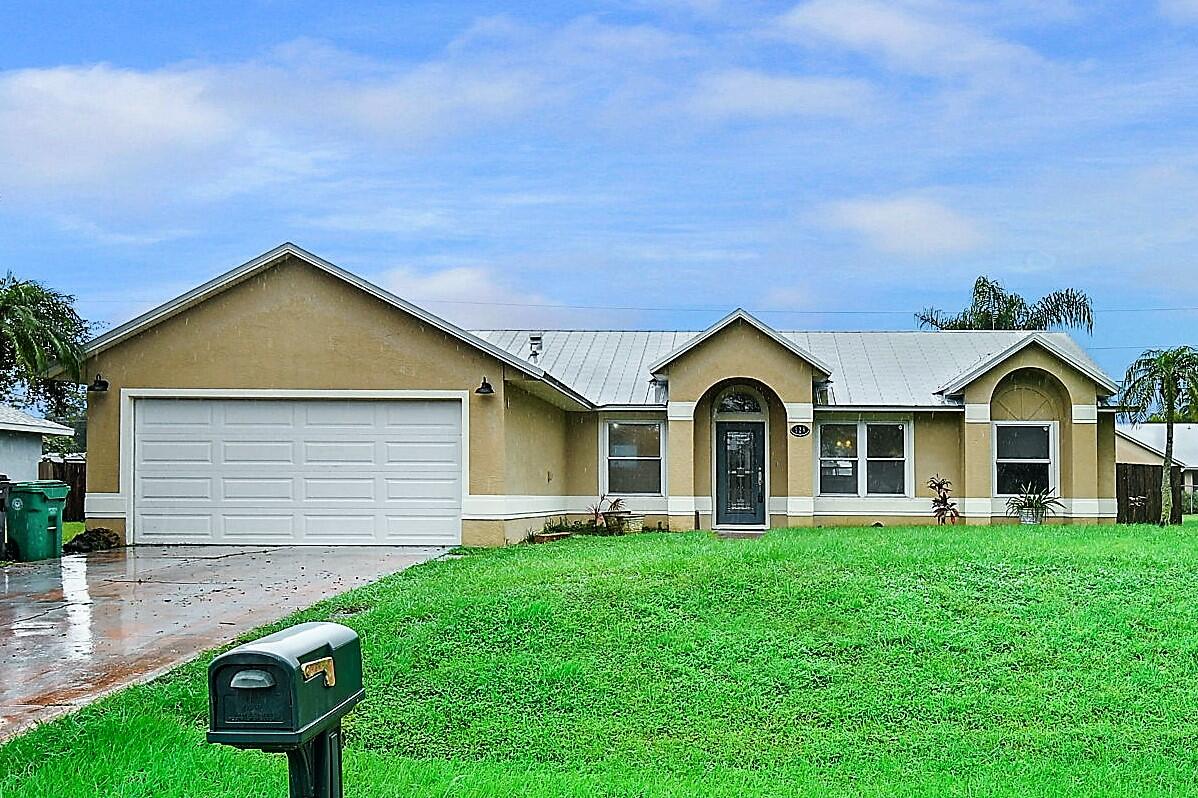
536	434
19	455
938	449
1131	452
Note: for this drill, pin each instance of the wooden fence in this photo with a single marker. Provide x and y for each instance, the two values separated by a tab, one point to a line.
1143	483
74	473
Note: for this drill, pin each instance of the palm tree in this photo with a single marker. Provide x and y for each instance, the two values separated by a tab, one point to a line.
39	328
994	308
1160	380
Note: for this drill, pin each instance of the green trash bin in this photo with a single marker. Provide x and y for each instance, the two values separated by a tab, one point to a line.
34	516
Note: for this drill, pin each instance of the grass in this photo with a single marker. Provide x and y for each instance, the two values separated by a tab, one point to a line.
71	528
864	662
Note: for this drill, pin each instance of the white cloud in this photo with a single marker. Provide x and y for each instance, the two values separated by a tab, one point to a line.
1181	11
904	38
907	225
83	125
745	93
472	297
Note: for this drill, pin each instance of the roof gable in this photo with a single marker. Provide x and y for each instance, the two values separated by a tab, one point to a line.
1044	340
268	259
739	315
1152	436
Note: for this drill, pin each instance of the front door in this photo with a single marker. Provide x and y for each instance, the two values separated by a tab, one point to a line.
740	473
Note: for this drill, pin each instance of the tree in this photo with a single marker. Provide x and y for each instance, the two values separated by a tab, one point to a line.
994	308
39	328
1159	381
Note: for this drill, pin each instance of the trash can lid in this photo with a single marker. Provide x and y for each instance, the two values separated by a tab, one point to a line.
48	487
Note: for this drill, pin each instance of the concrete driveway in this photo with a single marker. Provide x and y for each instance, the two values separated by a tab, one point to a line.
74	629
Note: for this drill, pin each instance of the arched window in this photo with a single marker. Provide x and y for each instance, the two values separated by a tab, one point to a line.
738	401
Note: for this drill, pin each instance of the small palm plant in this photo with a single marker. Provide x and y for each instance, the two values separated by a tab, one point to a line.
944	509
1032	505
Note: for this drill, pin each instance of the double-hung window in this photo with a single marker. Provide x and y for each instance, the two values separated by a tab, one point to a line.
864	458
1023	458
634	457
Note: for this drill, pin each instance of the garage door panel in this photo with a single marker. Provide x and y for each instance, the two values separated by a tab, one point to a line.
258	527
258	451
312	472
174	414
340	489
250	489
177	488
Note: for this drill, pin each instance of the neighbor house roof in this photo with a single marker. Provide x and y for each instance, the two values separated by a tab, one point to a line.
1152	436
907	369
13	420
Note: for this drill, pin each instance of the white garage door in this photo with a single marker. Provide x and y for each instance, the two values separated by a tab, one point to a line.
309	472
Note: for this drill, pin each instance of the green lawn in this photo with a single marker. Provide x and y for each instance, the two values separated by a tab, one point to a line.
70	529
879	662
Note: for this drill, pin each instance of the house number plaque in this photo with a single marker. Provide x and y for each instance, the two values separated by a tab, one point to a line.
800	430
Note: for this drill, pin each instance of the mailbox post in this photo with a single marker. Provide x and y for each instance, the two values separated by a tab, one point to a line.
287	693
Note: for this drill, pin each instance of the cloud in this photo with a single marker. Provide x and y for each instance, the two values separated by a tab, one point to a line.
82	125
745	93
907	225
473	297
907	40
1181	11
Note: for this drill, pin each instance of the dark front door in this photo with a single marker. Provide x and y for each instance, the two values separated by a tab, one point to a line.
740	472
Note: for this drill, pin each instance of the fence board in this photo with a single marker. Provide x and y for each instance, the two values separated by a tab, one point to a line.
1140	480
74	473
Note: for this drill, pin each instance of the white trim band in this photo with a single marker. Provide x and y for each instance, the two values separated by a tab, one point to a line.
978	412
680	411
1085	414
104	505
799	412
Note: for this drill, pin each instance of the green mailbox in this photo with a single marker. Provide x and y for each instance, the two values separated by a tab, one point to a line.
34	518
287	692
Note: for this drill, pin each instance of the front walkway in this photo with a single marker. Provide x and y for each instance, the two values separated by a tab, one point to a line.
75	629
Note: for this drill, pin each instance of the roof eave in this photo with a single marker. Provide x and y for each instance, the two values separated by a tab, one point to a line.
958	384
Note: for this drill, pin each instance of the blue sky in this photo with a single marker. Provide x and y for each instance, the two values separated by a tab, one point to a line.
830	164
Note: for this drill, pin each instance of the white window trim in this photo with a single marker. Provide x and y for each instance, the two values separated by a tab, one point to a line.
605	420
762	418
1054	455
863	456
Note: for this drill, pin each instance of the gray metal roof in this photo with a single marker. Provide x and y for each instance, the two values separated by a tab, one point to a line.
13	420
1185	439
869	369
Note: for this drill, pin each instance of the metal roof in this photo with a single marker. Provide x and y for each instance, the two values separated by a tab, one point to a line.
13	420
903	369
1185	440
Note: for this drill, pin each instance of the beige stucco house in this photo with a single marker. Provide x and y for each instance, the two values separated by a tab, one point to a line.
289	401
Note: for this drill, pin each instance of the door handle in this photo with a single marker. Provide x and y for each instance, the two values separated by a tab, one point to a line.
760	486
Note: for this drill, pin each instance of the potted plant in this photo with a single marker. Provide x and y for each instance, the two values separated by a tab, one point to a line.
609	514
944	509
1031	506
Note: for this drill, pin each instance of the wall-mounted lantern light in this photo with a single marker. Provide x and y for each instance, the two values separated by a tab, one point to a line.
484	389
99	385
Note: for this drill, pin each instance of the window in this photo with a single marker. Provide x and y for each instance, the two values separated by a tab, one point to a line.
1023	457
738	402
634	457
877	469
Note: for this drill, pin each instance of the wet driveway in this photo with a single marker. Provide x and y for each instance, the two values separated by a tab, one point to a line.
74	629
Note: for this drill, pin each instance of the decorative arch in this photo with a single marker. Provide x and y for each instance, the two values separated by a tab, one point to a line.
1029	394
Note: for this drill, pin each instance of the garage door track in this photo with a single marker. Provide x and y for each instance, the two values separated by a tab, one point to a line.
74	629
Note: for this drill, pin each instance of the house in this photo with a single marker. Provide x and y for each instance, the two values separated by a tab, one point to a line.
290	401
21	442
1145	443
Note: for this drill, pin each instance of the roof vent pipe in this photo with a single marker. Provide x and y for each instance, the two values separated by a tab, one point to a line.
536	342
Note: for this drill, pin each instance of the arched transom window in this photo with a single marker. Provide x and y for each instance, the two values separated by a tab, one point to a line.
738	401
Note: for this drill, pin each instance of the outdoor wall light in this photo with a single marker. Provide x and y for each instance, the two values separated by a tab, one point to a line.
99	385
484	389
